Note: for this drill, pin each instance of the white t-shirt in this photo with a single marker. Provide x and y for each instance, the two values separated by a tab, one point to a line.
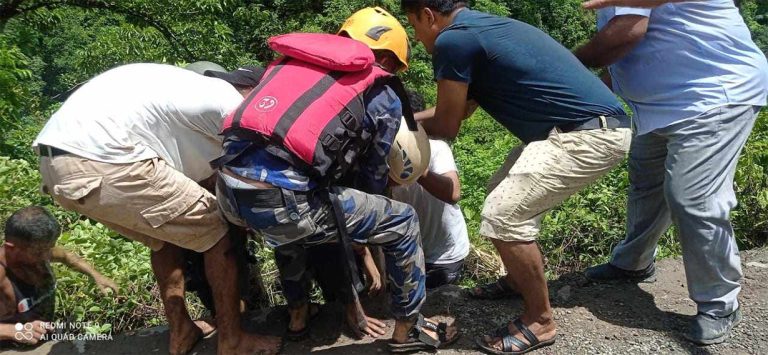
444	235
142	111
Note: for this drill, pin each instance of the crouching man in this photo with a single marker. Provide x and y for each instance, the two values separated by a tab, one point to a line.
328	104
130	149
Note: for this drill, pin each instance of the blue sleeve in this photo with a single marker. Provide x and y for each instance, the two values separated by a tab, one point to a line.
456	52
382	119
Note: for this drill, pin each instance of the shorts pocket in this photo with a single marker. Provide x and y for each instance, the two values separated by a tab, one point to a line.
75	189
169	209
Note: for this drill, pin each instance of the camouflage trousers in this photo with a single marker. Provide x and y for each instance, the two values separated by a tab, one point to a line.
370	220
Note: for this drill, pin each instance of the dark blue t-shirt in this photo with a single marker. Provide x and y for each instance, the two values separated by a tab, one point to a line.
522	77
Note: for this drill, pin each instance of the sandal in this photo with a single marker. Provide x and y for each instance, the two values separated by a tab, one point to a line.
494	290
419	340
303	333
508	341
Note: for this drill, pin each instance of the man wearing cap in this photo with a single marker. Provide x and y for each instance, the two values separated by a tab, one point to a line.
130	149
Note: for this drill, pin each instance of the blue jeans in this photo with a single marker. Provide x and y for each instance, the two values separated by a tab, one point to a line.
683	174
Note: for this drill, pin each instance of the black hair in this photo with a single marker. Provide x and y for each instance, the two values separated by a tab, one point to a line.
444	7
416	99
32	225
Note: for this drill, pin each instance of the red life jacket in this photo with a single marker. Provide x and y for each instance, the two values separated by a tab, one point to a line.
308	108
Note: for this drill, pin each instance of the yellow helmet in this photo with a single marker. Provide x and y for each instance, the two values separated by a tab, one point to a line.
378	29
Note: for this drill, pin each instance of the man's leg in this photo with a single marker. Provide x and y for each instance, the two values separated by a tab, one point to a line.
648	215
292	263
647	212
167	264
703	155
546	173
221	270
377	220
443	274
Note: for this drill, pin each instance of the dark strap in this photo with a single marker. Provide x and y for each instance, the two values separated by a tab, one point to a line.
268	198
606	122
346	242
302	103
532	339
417	332
48	151
225	159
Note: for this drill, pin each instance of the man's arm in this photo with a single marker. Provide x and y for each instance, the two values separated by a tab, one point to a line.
383	114
70	259
452	108
7	296
445	187
614	41
599	4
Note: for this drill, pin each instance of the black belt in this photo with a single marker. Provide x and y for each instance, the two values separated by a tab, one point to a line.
48	151
600	122
268	198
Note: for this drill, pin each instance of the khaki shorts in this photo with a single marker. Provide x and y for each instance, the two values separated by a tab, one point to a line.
147	201
541	175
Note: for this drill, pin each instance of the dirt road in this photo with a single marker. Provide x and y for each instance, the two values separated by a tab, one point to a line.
606	319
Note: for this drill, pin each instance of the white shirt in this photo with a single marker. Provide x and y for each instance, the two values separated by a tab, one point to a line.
696	56
444	234
142	111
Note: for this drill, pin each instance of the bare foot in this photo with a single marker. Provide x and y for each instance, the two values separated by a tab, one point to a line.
544	332
252	344
184	339
206	325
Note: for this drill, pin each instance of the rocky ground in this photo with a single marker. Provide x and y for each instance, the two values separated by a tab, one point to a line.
646	318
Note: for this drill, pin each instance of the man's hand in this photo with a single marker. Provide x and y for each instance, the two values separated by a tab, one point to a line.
106	285
375	285
361	324
30	333
599	4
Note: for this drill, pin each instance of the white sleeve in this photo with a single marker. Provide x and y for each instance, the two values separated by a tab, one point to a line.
441	160
619	11
605	15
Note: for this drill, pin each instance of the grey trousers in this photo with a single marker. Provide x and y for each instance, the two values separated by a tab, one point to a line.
683	174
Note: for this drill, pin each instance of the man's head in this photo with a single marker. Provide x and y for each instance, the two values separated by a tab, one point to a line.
381	32
30	234
244	79
429	17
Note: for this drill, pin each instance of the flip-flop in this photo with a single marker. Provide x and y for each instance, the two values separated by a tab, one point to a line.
494	290
508	341
419	340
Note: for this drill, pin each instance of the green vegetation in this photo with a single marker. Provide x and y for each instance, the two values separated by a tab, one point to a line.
47	47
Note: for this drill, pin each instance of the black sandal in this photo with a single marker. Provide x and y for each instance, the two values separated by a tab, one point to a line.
494	290
419	340
508	341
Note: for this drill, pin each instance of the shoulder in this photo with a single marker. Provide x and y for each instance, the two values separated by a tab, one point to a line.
381	99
